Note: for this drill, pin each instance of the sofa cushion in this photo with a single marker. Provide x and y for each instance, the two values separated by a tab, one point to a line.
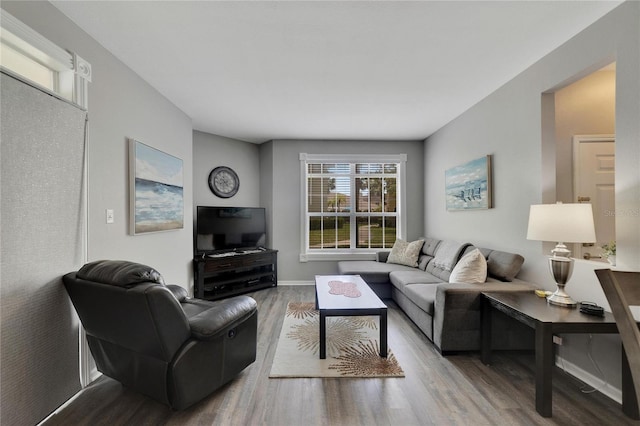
405	253
424	260
423	295
430	246
472	268
504	266
448	254
401	279
370	271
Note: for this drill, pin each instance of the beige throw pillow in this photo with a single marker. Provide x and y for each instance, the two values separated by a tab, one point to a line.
472	268
404	253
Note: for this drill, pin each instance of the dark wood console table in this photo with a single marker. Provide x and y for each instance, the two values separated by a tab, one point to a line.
548	320
223	275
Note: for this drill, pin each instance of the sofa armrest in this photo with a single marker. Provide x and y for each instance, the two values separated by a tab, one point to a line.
180	293
222	315
457	308
382	256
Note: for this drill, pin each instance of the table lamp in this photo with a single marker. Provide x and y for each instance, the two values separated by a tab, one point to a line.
561	223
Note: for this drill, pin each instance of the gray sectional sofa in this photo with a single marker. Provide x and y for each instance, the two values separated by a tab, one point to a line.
448	313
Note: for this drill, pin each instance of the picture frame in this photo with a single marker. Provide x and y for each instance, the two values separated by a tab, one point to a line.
469	186
156	188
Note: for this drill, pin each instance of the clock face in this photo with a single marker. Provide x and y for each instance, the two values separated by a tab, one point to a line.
224	182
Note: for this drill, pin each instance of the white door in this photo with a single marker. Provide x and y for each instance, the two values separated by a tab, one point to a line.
594	182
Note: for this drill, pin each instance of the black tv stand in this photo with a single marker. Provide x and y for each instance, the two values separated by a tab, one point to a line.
224	274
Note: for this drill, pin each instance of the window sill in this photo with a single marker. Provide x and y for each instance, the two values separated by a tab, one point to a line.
335	256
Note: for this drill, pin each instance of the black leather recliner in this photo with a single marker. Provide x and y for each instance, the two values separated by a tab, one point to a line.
154	339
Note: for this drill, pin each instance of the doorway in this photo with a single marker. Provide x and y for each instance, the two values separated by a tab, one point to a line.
594	183
584	145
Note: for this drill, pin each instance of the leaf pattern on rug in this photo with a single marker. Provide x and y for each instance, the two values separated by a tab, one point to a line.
341	332
301	310
368	322
364	359
352	346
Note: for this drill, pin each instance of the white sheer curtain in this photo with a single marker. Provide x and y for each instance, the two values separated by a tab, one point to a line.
43	232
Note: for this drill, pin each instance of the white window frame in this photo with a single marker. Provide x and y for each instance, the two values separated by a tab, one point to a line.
306	254
70	73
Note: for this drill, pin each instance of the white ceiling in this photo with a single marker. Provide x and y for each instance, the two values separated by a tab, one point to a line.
374	70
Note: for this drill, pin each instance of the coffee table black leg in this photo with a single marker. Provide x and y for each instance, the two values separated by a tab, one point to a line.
323	335
383	333
544	368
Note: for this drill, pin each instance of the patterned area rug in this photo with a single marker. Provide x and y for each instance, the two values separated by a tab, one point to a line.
352	347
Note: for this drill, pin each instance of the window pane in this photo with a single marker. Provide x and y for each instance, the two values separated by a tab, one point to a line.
314	168
376	231
389	232
375	194
329	232
362	200
362	234
390	168
362	168
341	194
315	232
390	197
344	233
315	195
26	67
375	168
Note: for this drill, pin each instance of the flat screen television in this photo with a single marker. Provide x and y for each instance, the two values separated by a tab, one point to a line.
229	228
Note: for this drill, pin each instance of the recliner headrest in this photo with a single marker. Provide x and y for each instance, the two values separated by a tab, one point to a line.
120	273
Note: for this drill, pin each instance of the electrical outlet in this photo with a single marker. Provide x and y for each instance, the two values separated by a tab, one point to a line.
110	216
557	340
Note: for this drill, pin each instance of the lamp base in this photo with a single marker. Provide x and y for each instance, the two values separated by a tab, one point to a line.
560	298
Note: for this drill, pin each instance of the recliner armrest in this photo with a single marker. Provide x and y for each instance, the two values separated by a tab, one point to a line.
223	315
178	292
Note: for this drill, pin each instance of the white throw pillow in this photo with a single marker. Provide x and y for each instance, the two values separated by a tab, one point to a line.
472	268
404	253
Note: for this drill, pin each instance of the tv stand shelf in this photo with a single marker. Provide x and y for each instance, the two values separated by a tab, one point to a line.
220	276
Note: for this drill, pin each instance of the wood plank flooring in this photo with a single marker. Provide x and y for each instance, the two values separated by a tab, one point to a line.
452	390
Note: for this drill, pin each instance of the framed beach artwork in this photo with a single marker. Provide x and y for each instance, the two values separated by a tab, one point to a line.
156	190
468	186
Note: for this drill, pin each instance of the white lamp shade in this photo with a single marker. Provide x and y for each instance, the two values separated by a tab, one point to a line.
567	223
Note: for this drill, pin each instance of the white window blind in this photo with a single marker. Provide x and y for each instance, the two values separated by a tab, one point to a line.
352	205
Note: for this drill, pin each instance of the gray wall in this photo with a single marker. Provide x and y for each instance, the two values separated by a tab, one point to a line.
507	124
284	165
211	151
122	106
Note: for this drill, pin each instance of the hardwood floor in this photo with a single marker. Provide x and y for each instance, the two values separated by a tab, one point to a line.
452	390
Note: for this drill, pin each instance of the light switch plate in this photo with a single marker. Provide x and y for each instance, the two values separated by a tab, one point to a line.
110	216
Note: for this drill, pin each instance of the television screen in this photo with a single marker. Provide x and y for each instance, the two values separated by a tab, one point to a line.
229	228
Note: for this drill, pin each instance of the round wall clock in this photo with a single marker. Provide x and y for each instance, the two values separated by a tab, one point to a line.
224	182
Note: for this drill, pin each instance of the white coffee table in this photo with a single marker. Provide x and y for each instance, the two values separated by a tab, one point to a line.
348	295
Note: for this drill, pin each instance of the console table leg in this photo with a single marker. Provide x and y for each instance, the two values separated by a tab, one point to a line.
485	332
629	400
544	368
323	335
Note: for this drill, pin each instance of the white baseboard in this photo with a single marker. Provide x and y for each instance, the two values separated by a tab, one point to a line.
591	380
295	283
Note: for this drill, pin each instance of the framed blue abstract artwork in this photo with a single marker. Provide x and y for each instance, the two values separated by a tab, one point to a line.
468	186
156	190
